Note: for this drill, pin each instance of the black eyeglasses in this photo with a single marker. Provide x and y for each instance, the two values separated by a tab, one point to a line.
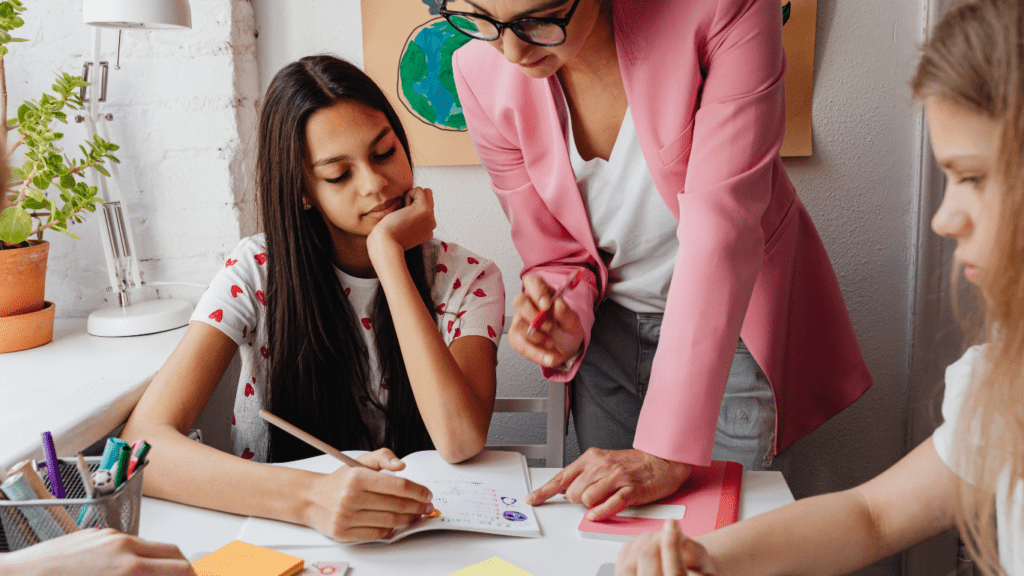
539	31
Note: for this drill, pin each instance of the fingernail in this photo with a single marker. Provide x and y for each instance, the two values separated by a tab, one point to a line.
591	516
430	509
395	461
548	359
544	303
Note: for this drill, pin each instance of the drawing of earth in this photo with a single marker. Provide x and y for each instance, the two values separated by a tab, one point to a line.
426	83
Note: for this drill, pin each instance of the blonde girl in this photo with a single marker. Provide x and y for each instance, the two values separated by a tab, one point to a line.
971	81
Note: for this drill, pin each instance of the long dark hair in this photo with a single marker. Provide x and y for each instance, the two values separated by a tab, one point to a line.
317	367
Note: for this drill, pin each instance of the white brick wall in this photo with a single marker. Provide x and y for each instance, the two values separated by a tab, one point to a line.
183	104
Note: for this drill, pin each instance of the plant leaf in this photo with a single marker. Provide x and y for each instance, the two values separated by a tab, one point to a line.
101	170
67	181
15	225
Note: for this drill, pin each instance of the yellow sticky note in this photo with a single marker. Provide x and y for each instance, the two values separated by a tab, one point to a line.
492	567
239	557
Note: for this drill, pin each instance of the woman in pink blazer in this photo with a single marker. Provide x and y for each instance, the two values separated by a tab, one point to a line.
701	84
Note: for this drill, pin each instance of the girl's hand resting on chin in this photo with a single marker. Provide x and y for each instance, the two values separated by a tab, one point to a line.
410	226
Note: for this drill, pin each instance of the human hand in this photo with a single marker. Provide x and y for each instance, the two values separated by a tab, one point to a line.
93	551
354	504
557	339
409	226
608	481
665	552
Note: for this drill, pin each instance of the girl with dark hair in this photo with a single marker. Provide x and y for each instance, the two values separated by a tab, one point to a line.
352	323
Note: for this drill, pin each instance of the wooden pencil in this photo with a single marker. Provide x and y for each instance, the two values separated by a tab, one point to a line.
310	439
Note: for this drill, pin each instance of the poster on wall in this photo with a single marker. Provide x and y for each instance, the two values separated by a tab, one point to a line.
407	50
799	18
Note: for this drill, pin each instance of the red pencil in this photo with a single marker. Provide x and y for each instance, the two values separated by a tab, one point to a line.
544	315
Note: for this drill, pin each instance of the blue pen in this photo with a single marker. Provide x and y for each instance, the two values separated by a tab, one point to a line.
110	453
52	469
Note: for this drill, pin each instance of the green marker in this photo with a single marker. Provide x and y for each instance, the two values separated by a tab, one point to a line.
124	453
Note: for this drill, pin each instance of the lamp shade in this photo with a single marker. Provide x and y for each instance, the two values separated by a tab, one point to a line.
150	14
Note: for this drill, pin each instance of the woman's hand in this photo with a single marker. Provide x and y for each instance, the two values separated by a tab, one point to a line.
663	553
405	228
93	551
555	341
355	504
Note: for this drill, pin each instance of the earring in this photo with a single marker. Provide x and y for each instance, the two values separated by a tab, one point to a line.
307	206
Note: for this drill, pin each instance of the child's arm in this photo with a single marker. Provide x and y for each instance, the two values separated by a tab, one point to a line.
454	387
829	534
348	505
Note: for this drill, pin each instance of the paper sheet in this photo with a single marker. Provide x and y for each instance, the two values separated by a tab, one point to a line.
491	567
798	41
480	495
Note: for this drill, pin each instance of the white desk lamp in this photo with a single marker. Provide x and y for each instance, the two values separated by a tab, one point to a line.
149	316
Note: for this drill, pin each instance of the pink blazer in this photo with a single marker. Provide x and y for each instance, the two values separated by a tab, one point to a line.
704	81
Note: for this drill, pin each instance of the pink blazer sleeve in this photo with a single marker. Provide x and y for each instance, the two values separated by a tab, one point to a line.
546	247
736	137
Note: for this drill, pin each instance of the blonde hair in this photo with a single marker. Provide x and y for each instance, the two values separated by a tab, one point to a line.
975	59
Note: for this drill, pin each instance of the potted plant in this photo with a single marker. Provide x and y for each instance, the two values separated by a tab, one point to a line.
45	193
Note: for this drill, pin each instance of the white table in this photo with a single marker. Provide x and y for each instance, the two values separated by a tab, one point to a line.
561	551
79	387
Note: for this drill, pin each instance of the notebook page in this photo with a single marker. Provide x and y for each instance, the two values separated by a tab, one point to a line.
505	474
483	494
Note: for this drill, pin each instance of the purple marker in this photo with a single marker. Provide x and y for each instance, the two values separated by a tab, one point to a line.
52	469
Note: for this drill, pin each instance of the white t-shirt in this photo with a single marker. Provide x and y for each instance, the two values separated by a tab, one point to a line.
1009	507
633	228
468	295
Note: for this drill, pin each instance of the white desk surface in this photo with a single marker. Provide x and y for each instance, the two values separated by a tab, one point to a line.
560	551
79	387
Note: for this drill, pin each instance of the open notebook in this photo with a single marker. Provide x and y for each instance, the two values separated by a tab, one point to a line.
483	494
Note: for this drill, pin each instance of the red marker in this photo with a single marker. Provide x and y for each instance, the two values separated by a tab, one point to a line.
544	315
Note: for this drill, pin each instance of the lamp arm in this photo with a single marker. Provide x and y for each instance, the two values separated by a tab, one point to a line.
90	129
115	174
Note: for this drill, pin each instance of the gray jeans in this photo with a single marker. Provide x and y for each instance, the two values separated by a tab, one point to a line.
610	386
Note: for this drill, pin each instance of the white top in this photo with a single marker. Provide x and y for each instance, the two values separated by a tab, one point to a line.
468	294
634	230
1009	508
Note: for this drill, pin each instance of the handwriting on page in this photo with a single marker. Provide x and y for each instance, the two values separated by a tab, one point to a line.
468	503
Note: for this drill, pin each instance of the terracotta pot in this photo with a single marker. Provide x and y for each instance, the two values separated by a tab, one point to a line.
26	331
23	278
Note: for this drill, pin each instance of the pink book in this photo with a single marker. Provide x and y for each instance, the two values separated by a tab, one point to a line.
708	500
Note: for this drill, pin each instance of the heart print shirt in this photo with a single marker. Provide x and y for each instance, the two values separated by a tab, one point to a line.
468	295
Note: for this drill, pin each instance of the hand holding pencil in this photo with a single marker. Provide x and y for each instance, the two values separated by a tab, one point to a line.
357	502
544	329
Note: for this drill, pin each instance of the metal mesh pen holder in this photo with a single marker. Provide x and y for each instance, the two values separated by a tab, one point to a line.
29	522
